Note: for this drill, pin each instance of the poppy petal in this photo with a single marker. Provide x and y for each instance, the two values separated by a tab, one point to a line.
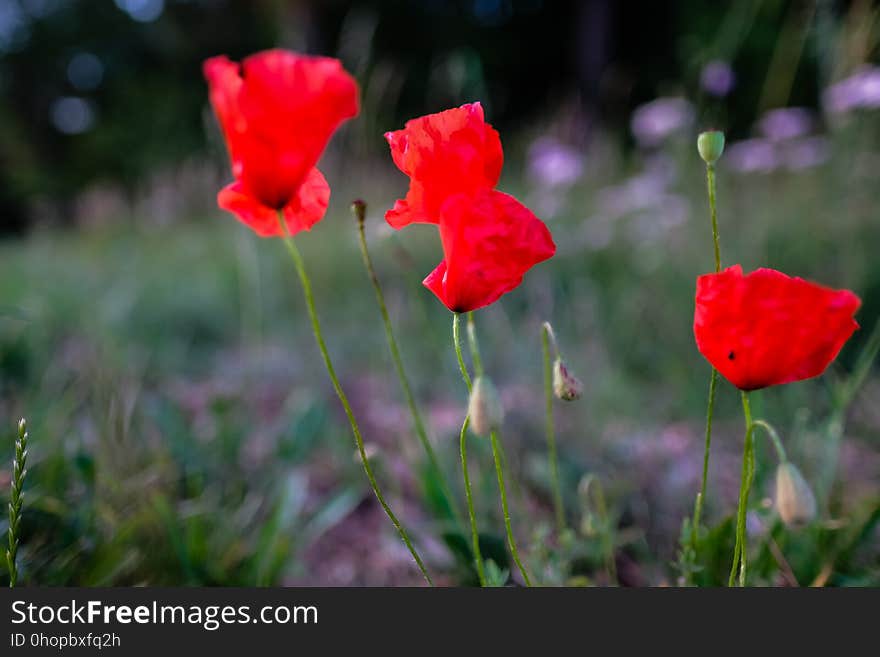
489	242
278	110
767	328
302	212
444	154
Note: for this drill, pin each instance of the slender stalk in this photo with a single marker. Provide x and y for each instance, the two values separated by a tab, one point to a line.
710	409
774	438
322	347
496	454
546	338
418	424
456	339
713	211
475	534
740	551
462	440
19	471
713	380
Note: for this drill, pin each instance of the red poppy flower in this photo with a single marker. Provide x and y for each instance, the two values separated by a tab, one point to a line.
443	154
489	241
767	328
278	110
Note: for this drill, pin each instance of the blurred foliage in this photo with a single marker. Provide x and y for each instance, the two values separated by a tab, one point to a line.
182	431
98	92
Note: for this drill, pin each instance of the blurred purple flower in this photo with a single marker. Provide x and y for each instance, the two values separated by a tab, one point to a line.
859	91
654	122
805	153
554	164
752	155
786	123
639	192
636	193
717	78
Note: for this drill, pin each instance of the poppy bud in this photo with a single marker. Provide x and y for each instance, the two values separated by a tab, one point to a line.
359	209
794	499
566	386
710	145
484	407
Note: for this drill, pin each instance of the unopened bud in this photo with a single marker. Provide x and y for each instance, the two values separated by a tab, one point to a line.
794	499
359	209
566	385
484	407
710	145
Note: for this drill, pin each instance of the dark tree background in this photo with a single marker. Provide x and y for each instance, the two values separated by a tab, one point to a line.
111	89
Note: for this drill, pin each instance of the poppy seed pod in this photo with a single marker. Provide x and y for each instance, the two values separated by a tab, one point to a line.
484	407
566	386
710	145
794	498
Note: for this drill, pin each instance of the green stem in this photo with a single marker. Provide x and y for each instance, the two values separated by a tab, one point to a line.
475	534
319	338
462	440
418	423
713	211
456	339
546	338
19	471
496	454
740	550
713	381
710	409
774	438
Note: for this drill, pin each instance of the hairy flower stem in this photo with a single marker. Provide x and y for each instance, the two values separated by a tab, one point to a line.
19	471
462	441
319	338
418	424
547	338
713	380
496	453
740	551
713	211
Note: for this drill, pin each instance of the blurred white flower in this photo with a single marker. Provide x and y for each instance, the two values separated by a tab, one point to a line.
654	122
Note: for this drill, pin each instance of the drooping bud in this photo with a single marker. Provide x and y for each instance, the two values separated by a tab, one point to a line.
710	145
484	407
566	386
794	498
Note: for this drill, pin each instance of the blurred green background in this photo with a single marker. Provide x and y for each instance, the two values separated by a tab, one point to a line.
182	427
